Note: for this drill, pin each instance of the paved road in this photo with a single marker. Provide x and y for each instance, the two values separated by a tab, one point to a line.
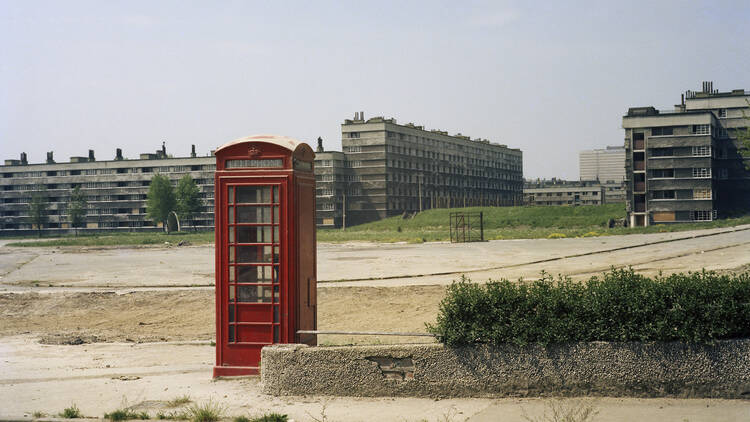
366	264
103	377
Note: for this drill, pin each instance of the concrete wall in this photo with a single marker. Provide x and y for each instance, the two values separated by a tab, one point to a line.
432	370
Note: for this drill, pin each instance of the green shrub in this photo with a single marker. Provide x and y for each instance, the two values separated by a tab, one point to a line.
72	412
618	306
556	236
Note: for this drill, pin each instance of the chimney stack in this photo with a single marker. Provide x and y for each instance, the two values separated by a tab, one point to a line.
50	159
91	155
24	159
320	145
118	154
192	150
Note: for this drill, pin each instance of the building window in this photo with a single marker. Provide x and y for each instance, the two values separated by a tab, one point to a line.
326	207
325	163
722	113
701	193
702	151
705	215
663	194
701	173
662	131
662	173
723	173
356	163
701	129
662	152
354	148
353	135
723	133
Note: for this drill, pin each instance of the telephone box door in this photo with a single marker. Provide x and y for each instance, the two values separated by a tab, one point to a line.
255	277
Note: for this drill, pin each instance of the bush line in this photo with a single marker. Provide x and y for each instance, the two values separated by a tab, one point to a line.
618	306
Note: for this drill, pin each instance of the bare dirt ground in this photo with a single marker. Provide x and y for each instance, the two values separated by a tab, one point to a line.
108	327
183	315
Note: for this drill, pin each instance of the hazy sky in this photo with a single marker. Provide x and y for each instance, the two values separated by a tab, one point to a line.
550	78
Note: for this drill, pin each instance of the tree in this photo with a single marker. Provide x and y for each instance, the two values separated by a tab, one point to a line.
188	199
38	209
160	200
77	208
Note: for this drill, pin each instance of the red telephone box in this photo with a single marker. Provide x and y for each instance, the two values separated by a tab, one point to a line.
265	249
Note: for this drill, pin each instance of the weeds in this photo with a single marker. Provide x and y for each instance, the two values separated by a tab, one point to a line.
271	417
38	414
565	411
207	412
72	412
179	401
125	415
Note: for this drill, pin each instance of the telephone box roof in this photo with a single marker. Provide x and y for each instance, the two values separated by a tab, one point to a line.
285	142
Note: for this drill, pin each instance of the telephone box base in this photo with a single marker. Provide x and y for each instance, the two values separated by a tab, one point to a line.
235	371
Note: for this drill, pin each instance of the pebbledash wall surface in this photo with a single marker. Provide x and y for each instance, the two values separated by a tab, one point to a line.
719	370
115	190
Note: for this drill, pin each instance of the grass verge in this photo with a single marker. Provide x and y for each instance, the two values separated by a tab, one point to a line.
511	223
122	239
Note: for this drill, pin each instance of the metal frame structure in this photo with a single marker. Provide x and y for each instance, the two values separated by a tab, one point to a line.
466	227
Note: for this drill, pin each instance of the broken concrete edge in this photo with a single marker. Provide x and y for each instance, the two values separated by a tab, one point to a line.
719	370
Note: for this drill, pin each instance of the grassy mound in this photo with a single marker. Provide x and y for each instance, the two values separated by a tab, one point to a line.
509	223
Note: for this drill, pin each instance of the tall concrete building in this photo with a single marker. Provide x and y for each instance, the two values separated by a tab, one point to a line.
603	165
115	190
606	166
685	164
388	169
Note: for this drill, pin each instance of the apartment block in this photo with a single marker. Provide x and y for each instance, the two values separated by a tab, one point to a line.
388	169
115	190
555	192
606	166
685	165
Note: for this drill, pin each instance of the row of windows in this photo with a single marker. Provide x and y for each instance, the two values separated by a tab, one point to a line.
94	185
122	170
566	193
496	157
687	194
697	173
695	151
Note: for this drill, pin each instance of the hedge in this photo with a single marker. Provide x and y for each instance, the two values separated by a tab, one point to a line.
619	305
